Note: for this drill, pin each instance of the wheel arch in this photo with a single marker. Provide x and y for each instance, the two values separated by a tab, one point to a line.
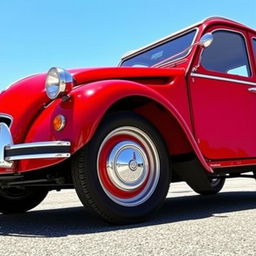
159	117
173	128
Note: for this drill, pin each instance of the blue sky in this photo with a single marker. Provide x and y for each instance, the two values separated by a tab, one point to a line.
39	34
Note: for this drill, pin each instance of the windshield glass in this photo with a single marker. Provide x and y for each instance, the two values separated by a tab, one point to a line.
165	52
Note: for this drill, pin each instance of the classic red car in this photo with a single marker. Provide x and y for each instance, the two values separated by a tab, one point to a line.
180	109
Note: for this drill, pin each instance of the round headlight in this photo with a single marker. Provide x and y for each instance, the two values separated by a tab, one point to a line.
58	82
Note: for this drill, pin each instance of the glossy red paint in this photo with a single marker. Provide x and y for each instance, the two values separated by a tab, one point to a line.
227	105
23	101
83	76
86	108
197	114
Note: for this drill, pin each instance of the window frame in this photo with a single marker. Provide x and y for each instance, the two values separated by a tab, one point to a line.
202	69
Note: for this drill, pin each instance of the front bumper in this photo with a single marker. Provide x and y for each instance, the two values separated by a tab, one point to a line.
36	150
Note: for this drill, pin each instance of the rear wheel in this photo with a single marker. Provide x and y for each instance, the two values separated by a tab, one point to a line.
17	200
123	173
216	186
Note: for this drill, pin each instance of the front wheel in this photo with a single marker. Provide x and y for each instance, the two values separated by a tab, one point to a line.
18	200
123	173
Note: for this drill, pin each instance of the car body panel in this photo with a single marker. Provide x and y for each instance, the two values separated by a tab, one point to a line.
87	106
227	105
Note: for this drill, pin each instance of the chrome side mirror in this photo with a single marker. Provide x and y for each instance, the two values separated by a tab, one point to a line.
206	40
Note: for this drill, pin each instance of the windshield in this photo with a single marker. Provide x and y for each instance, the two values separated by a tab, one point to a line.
168	51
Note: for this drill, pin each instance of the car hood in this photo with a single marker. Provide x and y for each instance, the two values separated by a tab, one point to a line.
128	73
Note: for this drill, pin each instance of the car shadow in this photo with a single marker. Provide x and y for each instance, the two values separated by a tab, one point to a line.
75	221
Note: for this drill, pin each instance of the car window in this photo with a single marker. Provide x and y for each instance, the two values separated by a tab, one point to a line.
171	50
227	54
254	47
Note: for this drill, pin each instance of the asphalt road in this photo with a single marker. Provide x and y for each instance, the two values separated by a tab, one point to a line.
187	224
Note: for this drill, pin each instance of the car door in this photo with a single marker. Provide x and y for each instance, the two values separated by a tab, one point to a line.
223	100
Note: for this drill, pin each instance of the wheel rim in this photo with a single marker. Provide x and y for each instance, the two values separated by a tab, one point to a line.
128	166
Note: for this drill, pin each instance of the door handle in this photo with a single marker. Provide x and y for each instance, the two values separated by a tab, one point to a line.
252	89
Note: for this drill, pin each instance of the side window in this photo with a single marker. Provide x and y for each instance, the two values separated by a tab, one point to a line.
254	47
227	54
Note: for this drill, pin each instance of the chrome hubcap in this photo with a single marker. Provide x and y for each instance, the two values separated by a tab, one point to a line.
128	166
133	165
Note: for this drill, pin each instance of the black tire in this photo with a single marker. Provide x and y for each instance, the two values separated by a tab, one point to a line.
137	186
216	186
18	200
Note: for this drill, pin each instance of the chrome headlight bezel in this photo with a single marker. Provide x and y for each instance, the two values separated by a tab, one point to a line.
58	82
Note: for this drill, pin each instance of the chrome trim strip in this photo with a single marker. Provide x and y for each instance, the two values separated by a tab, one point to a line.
38	156
6	144
223	79
38	144
253	89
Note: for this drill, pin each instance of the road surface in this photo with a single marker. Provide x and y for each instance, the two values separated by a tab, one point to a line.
187	224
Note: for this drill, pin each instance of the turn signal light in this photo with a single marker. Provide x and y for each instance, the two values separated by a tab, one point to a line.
59	122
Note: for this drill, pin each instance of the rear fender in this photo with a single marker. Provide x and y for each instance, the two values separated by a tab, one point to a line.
84	111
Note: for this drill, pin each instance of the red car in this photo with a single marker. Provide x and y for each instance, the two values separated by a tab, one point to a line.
180	109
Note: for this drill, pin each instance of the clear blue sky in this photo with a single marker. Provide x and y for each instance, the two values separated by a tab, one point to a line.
39	34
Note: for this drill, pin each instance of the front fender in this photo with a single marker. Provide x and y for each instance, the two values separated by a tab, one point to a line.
85	110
